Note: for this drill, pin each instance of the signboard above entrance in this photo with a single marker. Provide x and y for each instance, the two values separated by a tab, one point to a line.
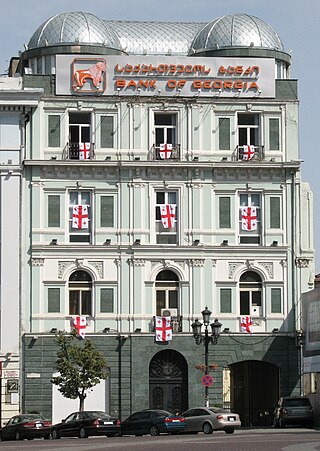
165	76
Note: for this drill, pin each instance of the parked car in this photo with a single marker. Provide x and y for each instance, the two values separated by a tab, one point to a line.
293	410
209	419
152	422
86	423
26	426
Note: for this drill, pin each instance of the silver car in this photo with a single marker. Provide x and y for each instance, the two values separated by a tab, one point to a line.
209	419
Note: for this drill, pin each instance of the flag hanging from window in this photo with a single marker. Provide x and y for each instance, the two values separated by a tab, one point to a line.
84	151
80	324
165	151
248	152
168	215
249	218
246	324
163	328
80	218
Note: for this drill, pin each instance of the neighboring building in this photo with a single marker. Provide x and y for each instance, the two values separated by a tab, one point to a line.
140	120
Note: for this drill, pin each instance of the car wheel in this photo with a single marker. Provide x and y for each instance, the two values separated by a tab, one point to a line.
18	436
55	434
229	431
82	433
154	430
207	428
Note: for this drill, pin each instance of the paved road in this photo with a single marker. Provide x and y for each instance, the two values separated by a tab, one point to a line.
289	439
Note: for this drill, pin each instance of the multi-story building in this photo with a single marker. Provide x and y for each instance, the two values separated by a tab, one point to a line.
162	176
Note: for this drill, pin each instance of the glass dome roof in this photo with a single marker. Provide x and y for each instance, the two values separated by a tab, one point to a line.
71	27
238	30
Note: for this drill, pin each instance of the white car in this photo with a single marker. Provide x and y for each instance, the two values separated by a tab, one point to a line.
209	419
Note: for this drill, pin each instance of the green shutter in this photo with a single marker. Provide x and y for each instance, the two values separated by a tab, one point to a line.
224	213
107	132
275	213
54	211
274	134
275	300
224	133
225	300
54	130
53	300
107	211
106	300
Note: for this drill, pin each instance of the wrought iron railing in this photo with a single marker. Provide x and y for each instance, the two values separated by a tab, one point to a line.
74	151
249	153
166	154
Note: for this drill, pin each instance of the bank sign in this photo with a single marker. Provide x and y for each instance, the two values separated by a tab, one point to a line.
165	76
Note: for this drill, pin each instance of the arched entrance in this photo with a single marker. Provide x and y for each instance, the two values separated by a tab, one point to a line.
254	391
168	382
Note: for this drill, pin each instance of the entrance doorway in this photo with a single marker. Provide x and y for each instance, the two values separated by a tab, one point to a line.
168	382
254	391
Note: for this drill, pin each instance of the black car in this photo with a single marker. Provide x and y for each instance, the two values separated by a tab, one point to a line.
26	426
152	422
293	410
86	423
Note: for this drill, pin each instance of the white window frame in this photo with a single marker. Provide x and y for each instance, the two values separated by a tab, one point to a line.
159	229
250	203
80	232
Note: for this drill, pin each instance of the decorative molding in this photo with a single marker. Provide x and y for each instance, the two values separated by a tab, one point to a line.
98	265
283	263
197	262
232	268
37	261
136	262
302	262
214	262
269	267
62	266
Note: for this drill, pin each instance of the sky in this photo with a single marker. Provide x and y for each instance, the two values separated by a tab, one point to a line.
296	22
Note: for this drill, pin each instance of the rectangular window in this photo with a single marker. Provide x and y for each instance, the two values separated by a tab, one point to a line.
166	217
54	130
53	211
53	300
275	213
165	136
274	134
79	216
250	218
80	147
225	300
107	132
249	135
106	300
79	302
107	211
224	213
9	132
275	300
224	133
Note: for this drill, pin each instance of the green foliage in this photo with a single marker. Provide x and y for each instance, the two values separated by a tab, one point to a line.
80	367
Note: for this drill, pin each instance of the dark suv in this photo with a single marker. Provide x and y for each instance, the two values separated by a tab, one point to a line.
293	410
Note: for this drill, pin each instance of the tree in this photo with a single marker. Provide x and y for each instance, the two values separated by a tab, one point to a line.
80	367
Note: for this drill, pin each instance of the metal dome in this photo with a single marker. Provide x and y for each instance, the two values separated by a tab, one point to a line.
71	27
238	30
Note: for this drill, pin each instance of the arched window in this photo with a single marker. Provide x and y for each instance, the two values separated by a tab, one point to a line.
80	293
167	292
250	294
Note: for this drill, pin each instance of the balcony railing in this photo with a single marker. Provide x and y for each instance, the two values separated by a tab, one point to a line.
249	153
166	154
78	151
176	324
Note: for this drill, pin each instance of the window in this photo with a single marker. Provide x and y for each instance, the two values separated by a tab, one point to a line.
53	211
167	286
106	300
80	293
274	134
53	300
250	218
250	294
9	132
224	213
225	300
166	217
275	213
80	147
107	132
248	135
107	211
54	130
165	130
79	216
224	133
275	300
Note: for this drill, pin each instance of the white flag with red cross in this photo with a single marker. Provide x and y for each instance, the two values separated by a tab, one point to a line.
246	324
248	152
80	217
163	328
249	218
80	324
168	214
84	151
165	151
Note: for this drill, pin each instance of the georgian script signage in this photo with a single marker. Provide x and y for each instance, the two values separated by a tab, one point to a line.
165	76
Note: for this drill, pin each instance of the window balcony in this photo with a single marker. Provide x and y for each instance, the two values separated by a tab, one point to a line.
166	153
78	151
249	153
176	324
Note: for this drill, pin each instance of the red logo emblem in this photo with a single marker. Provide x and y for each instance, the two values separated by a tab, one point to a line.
89	75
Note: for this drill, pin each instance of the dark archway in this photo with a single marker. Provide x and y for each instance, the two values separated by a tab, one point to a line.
254	391
168	382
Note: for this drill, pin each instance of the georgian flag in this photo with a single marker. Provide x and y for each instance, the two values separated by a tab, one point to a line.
80	324
163	328
168	215
84	151
249	218
80	218
165	151
246	324
248	152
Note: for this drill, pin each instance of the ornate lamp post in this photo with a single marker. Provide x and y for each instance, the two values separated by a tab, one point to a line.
206	339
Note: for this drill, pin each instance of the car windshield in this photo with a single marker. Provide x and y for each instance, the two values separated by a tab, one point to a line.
296	402
97	415
160	413
32	417
216	410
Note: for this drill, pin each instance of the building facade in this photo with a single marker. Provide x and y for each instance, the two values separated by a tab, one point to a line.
162	176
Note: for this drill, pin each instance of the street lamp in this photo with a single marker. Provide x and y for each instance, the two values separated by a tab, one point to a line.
206	339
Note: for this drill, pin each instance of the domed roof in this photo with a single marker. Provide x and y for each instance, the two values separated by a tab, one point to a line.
238	30
71	27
